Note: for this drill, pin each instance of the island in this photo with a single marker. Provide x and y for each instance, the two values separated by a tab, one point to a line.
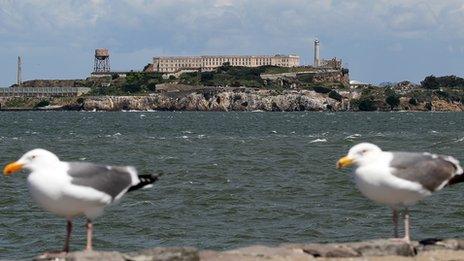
238	88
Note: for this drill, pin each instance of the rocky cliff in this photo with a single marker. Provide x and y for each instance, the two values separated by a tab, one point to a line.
241	99
264	100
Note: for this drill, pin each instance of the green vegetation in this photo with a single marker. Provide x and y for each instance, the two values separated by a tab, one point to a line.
392	99
451	81
17	103
269	69
366	104
432	89
141	83
225	76
42	103
335	95
133	83
321	89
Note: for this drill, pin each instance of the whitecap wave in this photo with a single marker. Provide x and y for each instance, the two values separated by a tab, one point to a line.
353	136
318	140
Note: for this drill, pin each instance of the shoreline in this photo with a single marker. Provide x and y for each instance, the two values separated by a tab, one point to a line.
244	100
258	111
377	249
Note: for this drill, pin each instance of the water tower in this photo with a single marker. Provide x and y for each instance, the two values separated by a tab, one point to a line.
102	60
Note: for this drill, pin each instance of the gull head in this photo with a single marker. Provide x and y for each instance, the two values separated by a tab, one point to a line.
32	160
359	154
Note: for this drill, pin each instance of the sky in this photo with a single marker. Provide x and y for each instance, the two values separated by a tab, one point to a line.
378	40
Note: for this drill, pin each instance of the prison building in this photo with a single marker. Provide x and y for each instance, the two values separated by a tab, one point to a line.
210	62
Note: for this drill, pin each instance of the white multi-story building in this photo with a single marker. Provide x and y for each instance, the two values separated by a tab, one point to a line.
209	62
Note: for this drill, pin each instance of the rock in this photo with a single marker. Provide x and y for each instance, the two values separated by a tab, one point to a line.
440	244
165	254
381	247
379	250
247	100
328	250
83	256
440	255
257	253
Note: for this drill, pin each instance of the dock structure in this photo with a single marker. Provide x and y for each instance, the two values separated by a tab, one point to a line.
43	91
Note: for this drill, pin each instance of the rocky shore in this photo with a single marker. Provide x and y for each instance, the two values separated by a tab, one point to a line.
240	99
260	100
264	100
431	249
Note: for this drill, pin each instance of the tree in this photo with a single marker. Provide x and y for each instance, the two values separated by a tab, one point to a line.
413	101
42	103
367	104
393	100
335	95
321	89
430	82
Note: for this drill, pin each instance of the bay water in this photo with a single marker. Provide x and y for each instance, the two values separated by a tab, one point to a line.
231	179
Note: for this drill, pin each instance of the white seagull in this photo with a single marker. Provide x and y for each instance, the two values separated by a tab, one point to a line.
70	189
400	179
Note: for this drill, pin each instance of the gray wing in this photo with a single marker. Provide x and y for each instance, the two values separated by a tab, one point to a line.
429	170
108	179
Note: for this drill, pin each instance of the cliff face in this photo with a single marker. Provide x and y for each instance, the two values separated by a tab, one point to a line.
263	100
233	99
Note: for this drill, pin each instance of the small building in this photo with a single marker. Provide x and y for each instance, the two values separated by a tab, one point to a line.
357	84
43	91
169	64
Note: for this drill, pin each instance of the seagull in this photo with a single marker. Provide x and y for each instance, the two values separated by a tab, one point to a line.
70	189
400	179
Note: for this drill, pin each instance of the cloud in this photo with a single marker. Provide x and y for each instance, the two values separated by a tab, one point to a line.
347	29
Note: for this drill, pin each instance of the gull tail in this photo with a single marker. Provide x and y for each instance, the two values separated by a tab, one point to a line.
146	181
459	174
456	179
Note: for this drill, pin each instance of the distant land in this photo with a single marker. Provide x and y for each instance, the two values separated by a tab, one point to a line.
236	88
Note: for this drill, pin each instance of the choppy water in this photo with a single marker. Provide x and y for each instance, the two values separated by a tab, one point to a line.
232	179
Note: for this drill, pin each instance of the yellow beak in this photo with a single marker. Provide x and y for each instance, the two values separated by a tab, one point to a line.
12	168
344	162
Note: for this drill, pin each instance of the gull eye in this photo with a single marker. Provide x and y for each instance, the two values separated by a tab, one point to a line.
33	156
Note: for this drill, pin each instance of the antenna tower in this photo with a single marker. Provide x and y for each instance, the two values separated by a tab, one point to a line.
19	79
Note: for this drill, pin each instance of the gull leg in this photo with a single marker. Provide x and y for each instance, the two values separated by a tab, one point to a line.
89	227
68	235
395	223
406	238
